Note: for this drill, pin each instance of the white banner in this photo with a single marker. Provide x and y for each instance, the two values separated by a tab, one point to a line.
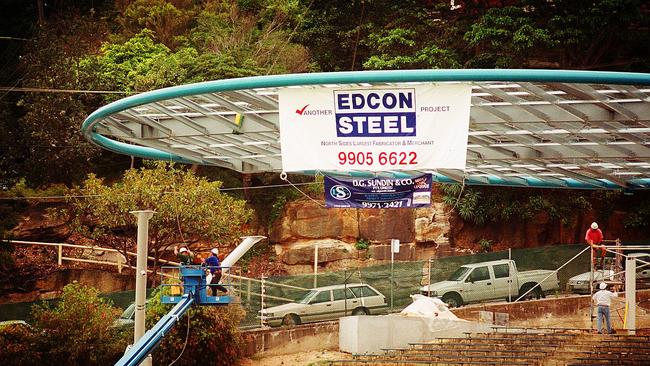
374	129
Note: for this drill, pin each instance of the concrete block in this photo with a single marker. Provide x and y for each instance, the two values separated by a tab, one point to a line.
369	334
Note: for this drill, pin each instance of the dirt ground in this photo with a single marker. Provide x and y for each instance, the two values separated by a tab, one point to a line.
304	358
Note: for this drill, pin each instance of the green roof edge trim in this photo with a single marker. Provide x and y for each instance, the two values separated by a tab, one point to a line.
286	80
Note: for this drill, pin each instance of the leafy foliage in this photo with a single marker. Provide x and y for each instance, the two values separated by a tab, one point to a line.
77	330
280	201
125	66
362	244
419	37
598	34
412	34
260	41
261	260
639	211
187	209
17	343
212	338
483	205
165	44
509	34
485	244
167	20
56	151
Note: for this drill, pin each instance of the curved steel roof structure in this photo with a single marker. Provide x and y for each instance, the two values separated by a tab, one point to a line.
534	128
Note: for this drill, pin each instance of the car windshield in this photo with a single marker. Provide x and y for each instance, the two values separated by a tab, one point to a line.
459	274
305	299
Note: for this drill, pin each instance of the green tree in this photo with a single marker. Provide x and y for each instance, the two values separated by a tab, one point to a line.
570	34
54	150
414	36
332	30
258	41
188	209
506	36
168	20
380	34
211	339
606	34
77	330
482	205
221	41
130	66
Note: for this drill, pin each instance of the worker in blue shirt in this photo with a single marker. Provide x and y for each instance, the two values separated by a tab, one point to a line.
215	269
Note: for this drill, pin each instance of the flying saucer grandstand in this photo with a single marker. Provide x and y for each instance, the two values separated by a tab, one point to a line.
530	128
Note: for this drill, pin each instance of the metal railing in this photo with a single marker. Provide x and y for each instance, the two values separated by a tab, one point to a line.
121	262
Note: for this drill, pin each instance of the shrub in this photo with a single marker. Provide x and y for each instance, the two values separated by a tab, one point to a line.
78	329
362	244
481	205
213	337
17	342
485	244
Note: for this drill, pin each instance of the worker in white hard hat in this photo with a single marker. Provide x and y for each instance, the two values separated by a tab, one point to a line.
215	270
184	255
594	238
603	300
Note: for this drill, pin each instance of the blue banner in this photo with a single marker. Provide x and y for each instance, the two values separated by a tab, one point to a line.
378	192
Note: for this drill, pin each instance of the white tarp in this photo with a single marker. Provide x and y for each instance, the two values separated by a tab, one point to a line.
429	307
417	127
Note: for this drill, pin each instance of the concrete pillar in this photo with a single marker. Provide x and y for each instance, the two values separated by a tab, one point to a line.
315	266
630	294
141	275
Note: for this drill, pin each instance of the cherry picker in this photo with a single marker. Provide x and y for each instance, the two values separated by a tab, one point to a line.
195	292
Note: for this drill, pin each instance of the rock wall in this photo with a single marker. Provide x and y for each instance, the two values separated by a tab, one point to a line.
303	224
51	286
424	233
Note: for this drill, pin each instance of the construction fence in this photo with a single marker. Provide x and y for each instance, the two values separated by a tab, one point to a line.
407	278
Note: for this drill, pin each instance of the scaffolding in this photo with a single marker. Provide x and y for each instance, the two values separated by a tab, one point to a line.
620	275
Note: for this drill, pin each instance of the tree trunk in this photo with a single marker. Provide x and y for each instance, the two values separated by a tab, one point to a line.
41	12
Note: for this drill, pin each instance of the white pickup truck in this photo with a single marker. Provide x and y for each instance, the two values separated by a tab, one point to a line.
492	280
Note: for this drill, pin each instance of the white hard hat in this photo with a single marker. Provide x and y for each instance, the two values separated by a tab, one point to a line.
183	250
594	225
215	251
603	285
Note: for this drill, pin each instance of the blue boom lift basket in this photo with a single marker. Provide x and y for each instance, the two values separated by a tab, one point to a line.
195	285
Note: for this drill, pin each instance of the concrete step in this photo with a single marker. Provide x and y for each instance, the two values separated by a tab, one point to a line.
461	346
592	349
477	350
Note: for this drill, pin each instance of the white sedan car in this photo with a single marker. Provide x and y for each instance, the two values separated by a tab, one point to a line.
327	303
580	284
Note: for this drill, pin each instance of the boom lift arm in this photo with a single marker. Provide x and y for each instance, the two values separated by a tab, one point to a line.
194	292
151	339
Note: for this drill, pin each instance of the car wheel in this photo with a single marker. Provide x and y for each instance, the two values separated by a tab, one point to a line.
291	320
536	293
360	311
452	300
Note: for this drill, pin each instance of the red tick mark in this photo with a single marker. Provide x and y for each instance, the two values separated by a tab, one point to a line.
300	111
